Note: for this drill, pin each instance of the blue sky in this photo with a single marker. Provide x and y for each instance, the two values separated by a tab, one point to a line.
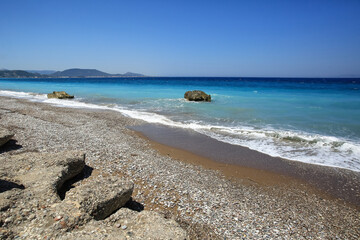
184	38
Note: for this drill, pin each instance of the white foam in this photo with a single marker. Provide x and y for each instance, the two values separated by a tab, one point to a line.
293	145
25	95
309	148
34	97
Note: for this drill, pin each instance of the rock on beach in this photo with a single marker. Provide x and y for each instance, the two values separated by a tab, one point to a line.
101	197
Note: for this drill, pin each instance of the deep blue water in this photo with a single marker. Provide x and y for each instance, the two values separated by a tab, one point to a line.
310	120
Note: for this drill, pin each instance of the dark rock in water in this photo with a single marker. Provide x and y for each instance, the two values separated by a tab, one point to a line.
5	136
197	95
59	95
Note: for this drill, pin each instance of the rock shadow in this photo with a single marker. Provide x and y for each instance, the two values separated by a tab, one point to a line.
69	184
134	205
7	185
10	146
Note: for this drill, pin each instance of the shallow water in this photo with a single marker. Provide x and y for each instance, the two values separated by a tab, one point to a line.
310	120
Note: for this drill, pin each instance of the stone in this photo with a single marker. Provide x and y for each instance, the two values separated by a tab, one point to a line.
101	196
59	95
151	225
9	219
197	95
4	204
43	173
5	136
63	224
139	225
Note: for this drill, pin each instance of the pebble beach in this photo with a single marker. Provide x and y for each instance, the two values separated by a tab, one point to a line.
205	201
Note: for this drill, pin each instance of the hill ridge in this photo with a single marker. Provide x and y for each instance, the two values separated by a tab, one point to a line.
71	72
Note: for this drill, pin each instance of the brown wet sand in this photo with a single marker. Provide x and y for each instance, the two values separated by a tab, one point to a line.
242	162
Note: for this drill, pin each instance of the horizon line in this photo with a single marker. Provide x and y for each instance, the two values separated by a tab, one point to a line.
194	76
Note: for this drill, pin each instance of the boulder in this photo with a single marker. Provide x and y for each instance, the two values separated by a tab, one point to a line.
197	95
101	196
42	173
59	95
5	136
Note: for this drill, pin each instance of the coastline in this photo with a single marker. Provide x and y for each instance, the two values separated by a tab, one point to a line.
242	162
201	198
233	172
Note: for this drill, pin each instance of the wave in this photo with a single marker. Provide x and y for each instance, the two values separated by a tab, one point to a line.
293	145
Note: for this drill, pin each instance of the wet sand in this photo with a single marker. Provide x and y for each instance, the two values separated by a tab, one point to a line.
242	162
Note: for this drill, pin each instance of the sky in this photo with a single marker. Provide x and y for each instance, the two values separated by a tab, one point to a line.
184	38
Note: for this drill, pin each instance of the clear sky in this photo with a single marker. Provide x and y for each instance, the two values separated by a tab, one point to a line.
184	38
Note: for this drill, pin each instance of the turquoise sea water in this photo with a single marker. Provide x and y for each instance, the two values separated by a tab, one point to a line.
310	120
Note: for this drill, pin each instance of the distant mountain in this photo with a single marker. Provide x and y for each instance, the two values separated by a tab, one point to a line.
74	72
130	74
18	74
44	72
77	72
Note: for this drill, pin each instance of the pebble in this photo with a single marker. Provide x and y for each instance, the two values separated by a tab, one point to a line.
123	227
63	224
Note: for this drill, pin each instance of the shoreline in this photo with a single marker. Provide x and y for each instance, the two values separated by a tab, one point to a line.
230	171
203	200
242	162
239	174
83	105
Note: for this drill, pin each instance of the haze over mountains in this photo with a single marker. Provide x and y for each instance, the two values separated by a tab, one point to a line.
73	72
44	72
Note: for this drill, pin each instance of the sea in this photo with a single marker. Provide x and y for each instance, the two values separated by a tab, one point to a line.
312	120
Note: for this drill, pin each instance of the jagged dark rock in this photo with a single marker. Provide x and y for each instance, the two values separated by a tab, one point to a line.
59	95
197	95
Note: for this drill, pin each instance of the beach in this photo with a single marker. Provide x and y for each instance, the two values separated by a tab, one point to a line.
209	198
